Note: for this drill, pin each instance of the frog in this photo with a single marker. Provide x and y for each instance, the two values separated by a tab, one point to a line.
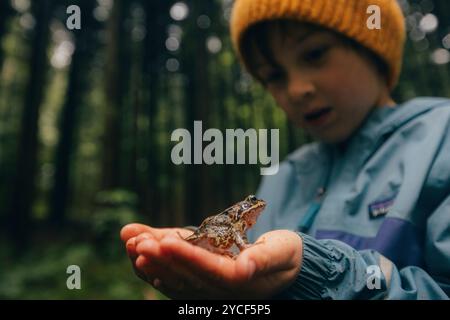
225	232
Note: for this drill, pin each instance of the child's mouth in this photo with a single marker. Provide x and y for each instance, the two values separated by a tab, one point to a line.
318	118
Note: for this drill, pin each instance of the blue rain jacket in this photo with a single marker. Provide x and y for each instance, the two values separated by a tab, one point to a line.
374	214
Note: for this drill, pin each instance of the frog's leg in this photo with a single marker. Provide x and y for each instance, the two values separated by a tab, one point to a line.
179	234
196	236
242	241
209	244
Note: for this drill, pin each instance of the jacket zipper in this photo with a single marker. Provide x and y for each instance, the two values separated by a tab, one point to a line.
308	219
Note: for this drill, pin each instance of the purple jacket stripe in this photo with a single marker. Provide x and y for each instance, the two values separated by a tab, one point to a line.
397	240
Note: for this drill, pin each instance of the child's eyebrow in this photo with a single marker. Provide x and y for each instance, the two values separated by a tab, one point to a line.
302	38
307	35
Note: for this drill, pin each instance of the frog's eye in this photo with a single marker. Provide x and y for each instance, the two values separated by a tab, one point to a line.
245	206
252	198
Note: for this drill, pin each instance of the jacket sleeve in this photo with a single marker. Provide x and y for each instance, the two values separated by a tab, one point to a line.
333	270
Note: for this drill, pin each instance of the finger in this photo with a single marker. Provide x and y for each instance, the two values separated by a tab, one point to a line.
210	285
219	285
159	234
197	283
176	232
219	269
149	270
144	236
138	272
153	268
277	256
133	230
133	255
176	278
131	248
275	251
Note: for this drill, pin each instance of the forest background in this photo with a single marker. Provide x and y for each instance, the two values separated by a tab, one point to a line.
86	118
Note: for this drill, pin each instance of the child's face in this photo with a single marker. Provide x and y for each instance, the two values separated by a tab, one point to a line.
324	87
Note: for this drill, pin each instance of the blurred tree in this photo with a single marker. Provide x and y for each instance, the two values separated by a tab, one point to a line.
85	42
115	90
5	12
24	179
195	60
154	54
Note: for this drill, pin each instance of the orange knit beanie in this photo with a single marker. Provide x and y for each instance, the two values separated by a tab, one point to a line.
348	17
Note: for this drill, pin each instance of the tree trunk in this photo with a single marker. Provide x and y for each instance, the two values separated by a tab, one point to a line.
5	12
198	96
68	122
24	180
153	53
114	93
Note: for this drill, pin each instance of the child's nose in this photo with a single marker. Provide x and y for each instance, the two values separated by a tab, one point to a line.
300	89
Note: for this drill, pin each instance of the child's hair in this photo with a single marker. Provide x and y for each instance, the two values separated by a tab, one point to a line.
257	37
346	18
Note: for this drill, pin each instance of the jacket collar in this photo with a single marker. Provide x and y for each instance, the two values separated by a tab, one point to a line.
383	121
379	124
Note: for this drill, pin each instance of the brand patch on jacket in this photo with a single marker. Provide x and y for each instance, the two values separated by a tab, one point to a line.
381	207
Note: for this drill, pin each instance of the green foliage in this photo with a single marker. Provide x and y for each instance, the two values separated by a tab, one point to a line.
114	209
106	272
41	274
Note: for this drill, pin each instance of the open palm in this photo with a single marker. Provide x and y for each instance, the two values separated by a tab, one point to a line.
181	270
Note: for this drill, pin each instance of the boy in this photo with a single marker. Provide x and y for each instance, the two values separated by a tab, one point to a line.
363	213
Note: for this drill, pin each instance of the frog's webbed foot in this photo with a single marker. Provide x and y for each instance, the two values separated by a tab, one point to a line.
193	238
190	228
179	234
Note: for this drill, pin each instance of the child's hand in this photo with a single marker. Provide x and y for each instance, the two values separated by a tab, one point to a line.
181	270
133	232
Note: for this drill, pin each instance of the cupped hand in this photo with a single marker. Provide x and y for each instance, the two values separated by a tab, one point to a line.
181	270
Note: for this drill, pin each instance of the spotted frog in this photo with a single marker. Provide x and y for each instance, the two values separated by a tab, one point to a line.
225	233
